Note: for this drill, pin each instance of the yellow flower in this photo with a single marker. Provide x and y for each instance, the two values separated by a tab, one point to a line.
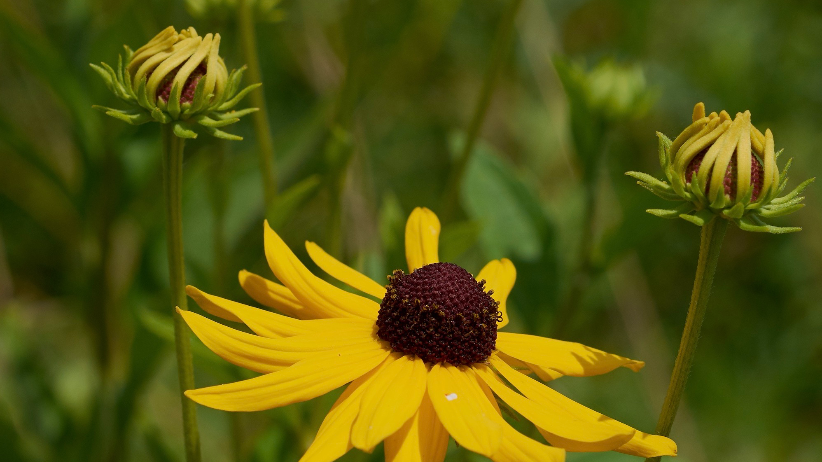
423	363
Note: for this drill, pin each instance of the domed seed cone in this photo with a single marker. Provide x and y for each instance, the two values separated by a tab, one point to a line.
177	78
723	166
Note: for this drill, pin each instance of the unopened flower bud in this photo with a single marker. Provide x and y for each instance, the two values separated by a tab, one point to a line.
723	166
177	78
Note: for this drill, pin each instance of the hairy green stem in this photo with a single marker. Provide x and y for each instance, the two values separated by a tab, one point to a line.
499	51
260	118
711	243
173	188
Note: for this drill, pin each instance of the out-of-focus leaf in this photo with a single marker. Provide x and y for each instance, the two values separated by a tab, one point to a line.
291	200
494	197
457	238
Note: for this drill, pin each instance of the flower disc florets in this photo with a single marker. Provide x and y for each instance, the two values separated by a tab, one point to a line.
724	167
177	78
439	313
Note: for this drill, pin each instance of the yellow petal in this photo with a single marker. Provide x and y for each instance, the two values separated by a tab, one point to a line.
499	276
699	111
304	380
458	400
262	354
330	301
343	272
639	443
567	358
276	296
546	375
333	439
391	400
422	233
566	430
421	439
514	446
262	322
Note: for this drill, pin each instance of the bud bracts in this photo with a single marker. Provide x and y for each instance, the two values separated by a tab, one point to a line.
720	166
177	78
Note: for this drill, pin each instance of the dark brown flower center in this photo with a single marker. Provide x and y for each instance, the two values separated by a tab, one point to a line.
757	175
439	313
187	93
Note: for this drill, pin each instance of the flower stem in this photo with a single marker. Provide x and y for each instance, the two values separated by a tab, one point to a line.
173	188
711	243
499	51
260	118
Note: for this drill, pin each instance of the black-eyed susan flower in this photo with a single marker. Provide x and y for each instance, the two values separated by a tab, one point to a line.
177	78
725	167
423	357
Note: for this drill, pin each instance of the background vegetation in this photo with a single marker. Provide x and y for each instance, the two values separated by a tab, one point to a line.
369	103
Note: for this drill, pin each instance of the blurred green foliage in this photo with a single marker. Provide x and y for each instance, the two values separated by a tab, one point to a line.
369	101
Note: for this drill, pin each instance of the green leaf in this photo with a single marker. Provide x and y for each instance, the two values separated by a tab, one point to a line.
753	224
217	133
291	200
699	218
787	197
735	212
672	213
209	122
457	238
779	211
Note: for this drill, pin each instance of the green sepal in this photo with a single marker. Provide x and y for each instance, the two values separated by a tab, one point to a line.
173	102
779	211
160	116
735	212
721	201
142	97
672	213
183	132
753	224
236	99
788	197
665	155
700	218
661	193
217	133
232	85
209	122
235	114
698	189
129	117
777	154
200	98
118	88
107	78
124	79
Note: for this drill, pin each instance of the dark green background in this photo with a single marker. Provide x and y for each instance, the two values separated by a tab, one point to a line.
86	363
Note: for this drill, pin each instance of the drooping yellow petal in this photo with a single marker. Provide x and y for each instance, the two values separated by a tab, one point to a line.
458	398
391	399
546	375
276	296
499	276
306	379
699	111
262	322
421	439
567	358
514	446
566	430
262	354
343	272
639	443
422	234
333	439
330	301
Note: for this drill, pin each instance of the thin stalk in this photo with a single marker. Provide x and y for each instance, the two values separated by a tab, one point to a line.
173	188
260	118
499	51
711	243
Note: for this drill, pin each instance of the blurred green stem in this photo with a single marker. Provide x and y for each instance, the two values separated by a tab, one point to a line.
260	118
173	189
499	51
711	243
